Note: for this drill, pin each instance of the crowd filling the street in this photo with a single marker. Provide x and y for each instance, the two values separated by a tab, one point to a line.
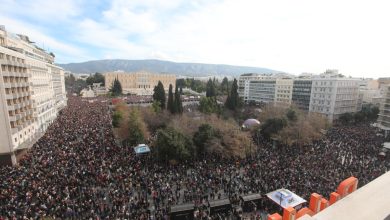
77	170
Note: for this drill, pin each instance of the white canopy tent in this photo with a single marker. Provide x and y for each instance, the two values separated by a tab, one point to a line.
285	198
142	149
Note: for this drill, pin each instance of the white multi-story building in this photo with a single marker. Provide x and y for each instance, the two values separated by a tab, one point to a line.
257	88
283	91
333	95
32	91
265	88
370	92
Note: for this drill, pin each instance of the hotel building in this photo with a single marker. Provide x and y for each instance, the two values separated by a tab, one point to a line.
32	91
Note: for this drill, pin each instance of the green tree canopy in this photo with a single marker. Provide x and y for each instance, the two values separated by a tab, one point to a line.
178	105
170	104
156	106
204	134
224	86
233	101
159	94
116	88
210	89
136	135
173	145
292	115
272	126
116	118
208	105
95	78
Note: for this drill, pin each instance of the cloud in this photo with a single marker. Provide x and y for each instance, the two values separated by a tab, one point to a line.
295	36
36	34
42	10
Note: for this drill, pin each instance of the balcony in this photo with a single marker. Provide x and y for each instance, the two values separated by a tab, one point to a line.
18	116
31	141
12	118
7	85
23	114
13	63
11	96
11	107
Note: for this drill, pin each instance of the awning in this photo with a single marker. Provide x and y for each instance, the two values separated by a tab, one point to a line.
285	198
142	149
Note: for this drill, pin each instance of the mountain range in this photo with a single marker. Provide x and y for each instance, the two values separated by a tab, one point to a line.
161	66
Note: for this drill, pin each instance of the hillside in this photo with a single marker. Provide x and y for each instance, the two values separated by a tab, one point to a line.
160	66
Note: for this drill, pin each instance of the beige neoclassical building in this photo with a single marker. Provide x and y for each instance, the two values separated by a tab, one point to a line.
139	83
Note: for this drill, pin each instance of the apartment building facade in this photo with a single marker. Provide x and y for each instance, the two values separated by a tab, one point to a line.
301	93
333	95
257	88
329	93
32	91
384	113
283	91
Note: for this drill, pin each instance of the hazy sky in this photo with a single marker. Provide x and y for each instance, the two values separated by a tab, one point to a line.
294	36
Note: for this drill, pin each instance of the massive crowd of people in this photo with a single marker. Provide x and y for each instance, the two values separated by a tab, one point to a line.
78	171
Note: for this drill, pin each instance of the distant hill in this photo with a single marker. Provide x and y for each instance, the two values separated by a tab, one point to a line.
160	66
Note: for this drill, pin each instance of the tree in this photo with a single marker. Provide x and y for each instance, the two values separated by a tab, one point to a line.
225	85
96	78
233	101
159	94
272	126
204	134
208	105
178	105
210	89
346	118
170	105
78	86
70	80
173	145
74	86
359	117
291	115
116	88
156	106
136	128
116	118
181	90
181	82
370	112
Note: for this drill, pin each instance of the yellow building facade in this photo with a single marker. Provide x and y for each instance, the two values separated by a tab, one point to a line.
139	83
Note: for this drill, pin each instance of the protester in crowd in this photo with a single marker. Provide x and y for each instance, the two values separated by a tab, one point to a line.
76	170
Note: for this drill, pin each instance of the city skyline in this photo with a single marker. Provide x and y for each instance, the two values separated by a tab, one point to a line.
295	37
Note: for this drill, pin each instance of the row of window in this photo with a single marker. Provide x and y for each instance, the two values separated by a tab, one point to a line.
25	133
11	58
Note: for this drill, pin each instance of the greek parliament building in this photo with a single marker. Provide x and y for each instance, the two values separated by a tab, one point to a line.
32	92
139	83
329	94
